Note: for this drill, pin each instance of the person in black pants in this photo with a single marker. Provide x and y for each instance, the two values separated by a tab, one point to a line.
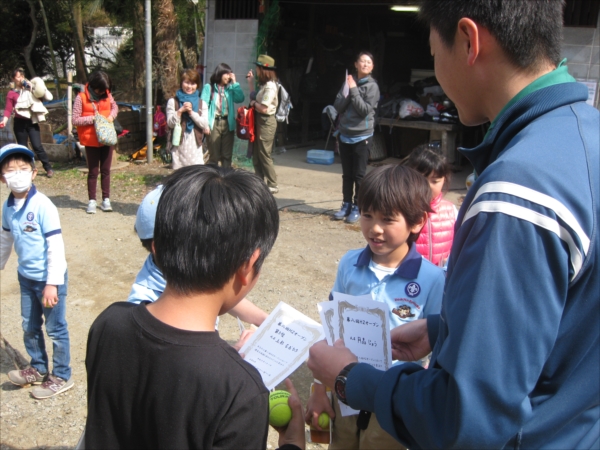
24	127
356	104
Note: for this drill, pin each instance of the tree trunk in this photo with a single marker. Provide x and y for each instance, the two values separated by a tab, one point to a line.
15	355
166	47
139	51
27	50
78	41
52	55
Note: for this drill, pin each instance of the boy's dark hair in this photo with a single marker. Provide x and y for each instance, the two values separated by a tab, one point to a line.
147	244
209	221
17	157
217	75
396	189
99	80
427	160
529	32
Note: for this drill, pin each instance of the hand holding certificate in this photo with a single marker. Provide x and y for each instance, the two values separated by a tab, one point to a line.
281	343
363	325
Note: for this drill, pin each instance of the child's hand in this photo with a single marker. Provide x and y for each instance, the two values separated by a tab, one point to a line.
293	433
243	339
317	404
50	296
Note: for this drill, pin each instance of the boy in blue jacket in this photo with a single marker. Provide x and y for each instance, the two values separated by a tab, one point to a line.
517	344
393	201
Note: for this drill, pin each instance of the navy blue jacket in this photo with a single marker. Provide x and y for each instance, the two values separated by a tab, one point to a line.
516	361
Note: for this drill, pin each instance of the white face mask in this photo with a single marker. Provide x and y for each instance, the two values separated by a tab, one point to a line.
18	182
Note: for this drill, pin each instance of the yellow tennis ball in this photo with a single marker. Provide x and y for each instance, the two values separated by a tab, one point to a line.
280	413
324	420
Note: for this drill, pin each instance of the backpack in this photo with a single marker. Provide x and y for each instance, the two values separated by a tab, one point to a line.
283	105
244	119
160	123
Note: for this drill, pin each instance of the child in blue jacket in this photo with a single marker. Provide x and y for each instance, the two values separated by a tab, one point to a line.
393	202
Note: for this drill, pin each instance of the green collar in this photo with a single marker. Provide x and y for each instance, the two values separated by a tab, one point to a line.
557	76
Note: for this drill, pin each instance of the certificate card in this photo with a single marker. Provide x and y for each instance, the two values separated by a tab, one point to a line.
329	319
364	326
365	329
281	344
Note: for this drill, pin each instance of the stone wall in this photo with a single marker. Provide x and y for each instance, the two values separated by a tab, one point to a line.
230	42
581	47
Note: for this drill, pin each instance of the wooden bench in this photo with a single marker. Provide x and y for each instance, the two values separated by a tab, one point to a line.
448	131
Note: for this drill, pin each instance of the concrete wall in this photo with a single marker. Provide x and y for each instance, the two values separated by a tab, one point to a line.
231	42
581	47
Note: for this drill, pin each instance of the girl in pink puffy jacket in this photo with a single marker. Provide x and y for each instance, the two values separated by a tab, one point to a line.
435	240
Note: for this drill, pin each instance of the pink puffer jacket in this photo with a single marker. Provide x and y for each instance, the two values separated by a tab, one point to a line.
436	237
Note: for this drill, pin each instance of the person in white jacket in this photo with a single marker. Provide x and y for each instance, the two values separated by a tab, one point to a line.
26	102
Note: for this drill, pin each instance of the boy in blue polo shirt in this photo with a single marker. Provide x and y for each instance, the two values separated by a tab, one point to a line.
30	221
394	202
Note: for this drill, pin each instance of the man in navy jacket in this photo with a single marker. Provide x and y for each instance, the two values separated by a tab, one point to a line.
516	349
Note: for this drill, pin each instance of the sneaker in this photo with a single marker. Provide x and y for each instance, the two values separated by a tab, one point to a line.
52	386
50	173
91	209
26	377
273	190
346	207
354	215
105	206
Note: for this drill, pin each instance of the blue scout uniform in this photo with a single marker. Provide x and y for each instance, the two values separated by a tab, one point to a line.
36	221
413	291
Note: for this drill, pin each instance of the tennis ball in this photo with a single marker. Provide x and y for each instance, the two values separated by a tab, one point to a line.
280	413
324	420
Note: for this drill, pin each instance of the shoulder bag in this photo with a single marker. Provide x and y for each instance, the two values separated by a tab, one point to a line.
105	130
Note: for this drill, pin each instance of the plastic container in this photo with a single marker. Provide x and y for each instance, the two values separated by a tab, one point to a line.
176	139
59	138
319	157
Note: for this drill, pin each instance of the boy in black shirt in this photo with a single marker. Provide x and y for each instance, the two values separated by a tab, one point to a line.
159	375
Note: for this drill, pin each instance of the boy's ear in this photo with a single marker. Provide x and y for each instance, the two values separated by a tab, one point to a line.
246	271
418	226
468	38
33	174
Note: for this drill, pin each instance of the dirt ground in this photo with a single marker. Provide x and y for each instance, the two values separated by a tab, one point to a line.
104	255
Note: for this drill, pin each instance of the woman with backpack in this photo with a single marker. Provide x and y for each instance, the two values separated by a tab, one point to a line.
220	95
187	116
265	106
356	104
